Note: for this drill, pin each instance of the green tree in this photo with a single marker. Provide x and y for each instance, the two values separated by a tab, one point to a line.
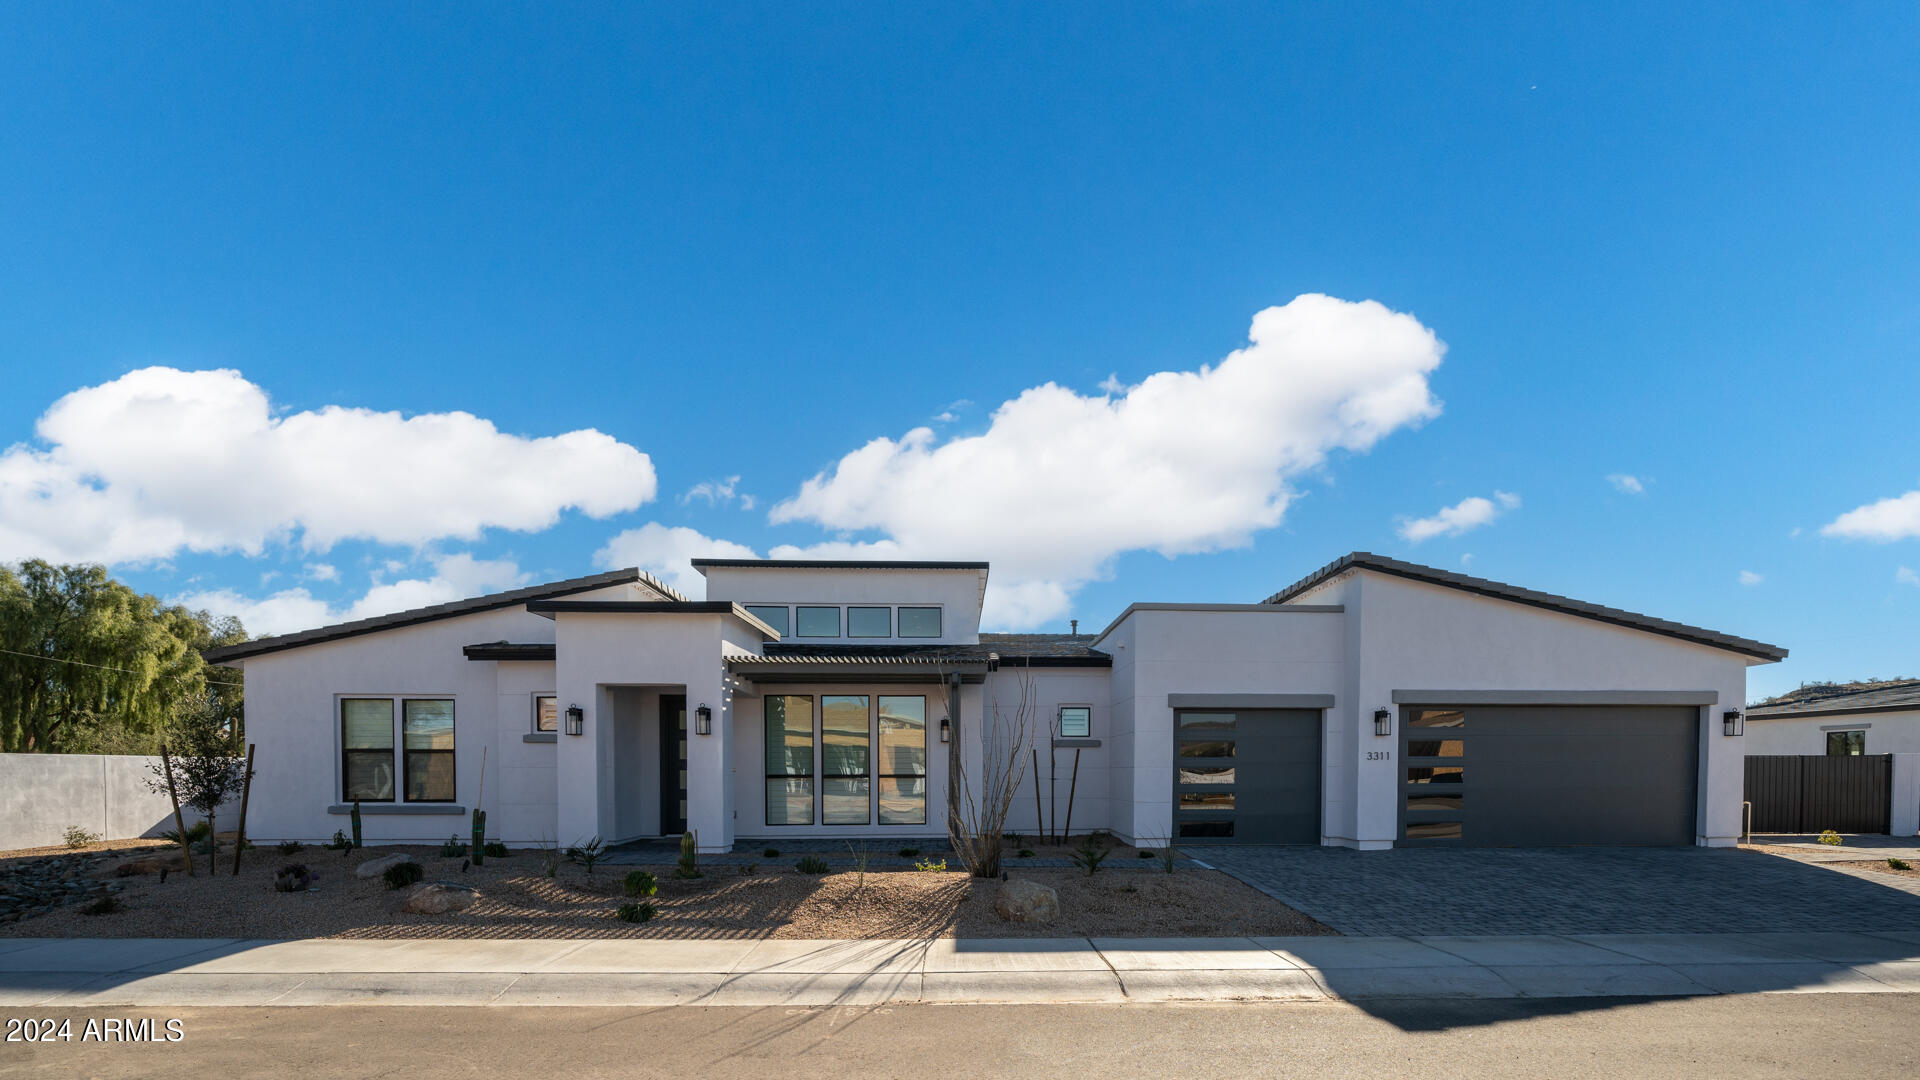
87	664
203	747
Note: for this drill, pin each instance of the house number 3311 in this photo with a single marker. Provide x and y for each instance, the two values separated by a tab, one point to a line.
1379	755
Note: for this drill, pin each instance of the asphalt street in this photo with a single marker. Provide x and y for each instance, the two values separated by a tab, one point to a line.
1786	1035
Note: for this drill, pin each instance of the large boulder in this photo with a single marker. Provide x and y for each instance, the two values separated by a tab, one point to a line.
1026	901
376	866
441	897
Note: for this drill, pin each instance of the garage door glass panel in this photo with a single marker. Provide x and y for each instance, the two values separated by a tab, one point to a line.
1434	774
1439	718
1212	749
1206	774
1436	748
1196	721
1206	800
1206	830
1433	830
1428	800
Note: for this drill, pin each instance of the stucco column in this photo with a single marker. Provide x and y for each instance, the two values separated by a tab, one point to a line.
709	761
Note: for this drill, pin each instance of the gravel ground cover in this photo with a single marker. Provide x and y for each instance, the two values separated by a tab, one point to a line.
773	900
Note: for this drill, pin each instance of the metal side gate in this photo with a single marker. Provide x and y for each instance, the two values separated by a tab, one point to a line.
1793	793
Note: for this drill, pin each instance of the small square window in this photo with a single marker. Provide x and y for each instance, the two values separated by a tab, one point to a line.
546	712
869	622
817	622
1846	743
920	622
1076	721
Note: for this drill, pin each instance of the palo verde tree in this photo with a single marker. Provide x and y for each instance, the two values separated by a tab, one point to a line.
89	665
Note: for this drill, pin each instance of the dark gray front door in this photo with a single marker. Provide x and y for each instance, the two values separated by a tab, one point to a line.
1534	776
1249	776
673	764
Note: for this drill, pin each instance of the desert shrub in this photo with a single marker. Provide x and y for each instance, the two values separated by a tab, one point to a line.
1026	853
641	883
909	852
401	875
586	854
1898	864
812	864
339	842
104	904
494	849
196	832
636	912
293	877
936	866
77	837
1090	854
289	847
1831	838
748	869
770	853
453	848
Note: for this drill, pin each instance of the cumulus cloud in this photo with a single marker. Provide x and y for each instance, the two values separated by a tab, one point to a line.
1748	577
1466	515
667	552
455	577
161	461
716	493
1627	484
320	571
1182	462
1897	518
1906	576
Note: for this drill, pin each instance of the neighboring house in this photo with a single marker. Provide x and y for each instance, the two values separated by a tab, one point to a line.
1373	703
1840	719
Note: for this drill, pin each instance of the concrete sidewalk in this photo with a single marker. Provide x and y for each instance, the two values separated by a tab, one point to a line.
50	972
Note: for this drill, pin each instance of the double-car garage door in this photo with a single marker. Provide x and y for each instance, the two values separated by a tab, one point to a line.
1478	775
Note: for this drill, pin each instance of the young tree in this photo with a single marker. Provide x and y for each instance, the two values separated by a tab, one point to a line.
975	821
203	747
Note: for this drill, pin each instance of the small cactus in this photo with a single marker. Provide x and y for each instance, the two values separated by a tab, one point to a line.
689	856
355	816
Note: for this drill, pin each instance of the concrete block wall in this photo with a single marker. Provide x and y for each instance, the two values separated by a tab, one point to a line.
41	795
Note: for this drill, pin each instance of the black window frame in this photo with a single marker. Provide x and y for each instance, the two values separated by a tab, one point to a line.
537	699
881	608
1086	732
347	753
1853	739
926	757
812	775
785	610
407	753
939	620
839	620
865	755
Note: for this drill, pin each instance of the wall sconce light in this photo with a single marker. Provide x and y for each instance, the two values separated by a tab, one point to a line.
1382	722
703	720
1733	723
576	719
946	730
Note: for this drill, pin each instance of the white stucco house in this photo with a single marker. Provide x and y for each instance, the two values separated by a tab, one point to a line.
1374	703
1881	718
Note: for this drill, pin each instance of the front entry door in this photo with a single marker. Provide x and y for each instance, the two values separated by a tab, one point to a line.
673	764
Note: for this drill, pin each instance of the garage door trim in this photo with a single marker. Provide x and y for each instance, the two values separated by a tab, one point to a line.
1556	697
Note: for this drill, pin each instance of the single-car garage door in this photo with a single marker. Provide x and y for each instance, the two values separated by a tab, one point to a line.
1524	775
1249	776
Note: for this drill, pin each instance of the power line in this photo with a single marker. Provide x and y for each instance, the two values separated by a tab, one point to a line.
109	667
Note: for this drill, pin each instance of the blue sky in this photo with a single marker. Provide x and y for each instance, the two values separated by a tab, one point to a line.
1676	246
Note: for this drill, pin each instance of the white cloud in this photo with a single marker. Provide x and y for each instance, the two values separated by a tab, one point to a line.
1183	462
456	577
1626	484
1897	518
666	552
1111	386
1748	577
161	460
1467	514
713	492
320	571
1906	576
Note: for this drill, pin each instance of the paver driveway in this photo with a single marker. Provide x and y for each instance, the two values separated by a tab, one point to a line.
1565	890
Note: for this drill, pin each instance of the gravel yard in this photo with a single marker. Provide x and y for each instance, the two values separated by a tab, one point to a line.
775	900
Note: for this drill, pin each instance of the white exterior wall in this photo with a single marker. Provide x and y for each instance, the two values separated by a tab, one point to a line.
1887	732
957	592
293	719
1416	636
1270	650
1092	797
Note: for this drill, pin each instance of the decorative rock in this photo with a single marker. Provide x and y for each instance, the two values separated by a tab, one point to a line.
1026	901
377	866
440	898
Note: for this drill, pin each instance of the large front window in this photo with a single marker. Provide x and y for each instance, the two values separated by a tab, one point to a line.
429	741
366	741
789	759
423	766
872	766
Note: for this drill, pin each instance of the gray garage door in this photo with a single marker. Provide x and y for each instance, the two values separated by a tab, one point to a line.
1518	776
1249	776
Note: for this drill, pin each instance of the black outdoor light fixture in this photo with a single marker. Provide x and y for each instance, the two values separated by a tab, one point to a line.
576	719
946	730
703	720
1733	723
1382	722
